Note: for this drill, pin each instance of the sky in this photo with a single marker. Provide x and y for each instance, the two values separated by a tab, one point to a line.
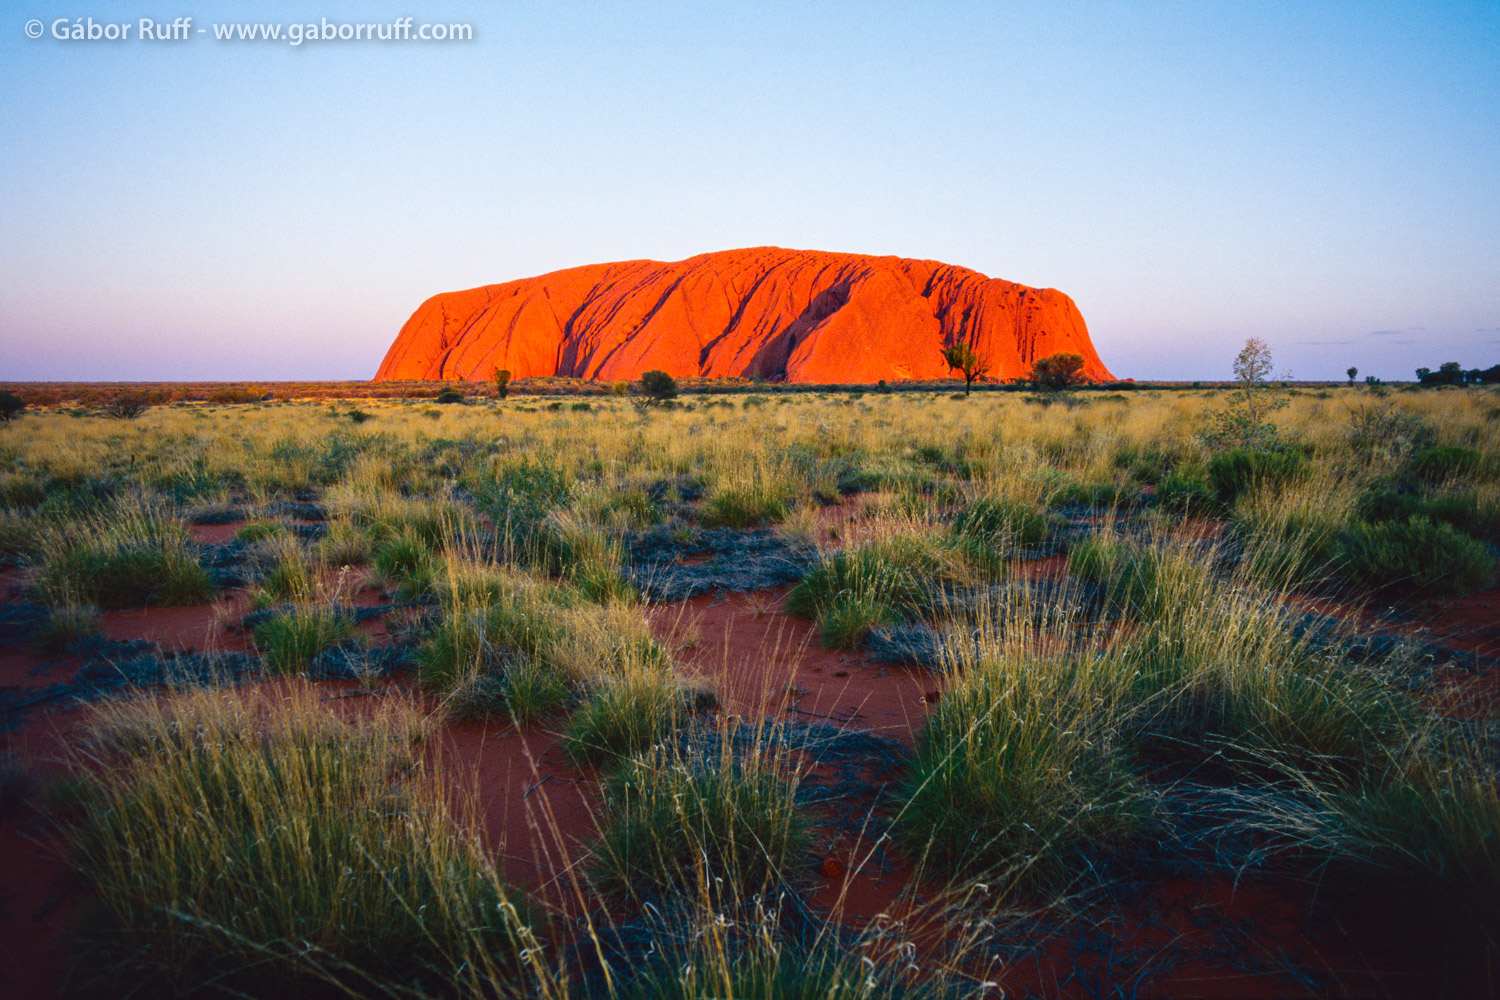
1325	176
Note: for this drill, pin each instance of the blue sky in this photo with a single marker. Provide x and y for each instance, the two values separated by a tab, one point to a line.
1325	176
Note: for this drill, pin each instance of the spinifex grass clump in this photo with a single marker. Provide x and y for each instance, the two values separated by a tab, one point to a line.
1419	851
511	642
290	641
245	843
64	627
712	823
403	558
1290	534
131	556
1216	667
998	525
582	553
290	576
1021	775
751	494
882	582
1233	473
630	712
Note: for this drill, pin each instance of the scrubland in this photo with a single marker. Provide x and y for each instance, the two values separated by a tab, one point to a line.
1126	667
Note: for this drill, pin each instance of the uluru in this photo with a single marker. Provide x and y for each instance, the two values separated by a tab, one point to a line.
793	315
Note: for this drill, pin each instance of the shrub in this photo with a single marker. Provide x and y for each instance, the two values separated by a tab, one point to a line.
359	416
659	386
1236	472
1434	465
127	406
1416	556
1461	510
451	394
690	824
252	843
11	406
291	640
235	395
1058	371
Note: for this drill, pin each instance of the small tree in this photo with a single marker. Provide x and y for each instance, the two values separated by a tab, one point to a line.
660	386
1058	371
1243	423
1352	372
10	406
967	360
126	406
501	379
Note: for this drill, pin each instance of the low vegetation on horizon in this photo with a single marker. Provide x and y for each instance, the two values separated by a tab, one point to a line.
1166	637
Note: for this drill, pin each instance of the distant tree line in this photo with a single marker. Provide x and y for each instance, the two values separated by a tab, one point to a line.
1453	373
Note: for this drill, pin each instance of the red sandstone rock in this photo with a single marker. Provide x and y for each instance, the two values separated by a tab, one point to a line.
802	315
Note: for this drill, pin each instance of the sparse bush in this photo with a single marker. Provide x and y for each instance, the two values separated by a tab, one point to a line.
451	394
235	394
1058	371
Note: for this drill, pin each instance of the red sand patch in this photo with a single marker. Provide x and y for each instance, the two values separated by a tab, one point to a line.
536	808
195	628
214	534
766	662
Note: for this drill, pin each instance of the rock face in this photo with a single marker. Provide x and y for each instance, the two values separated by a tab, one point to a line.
798	315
